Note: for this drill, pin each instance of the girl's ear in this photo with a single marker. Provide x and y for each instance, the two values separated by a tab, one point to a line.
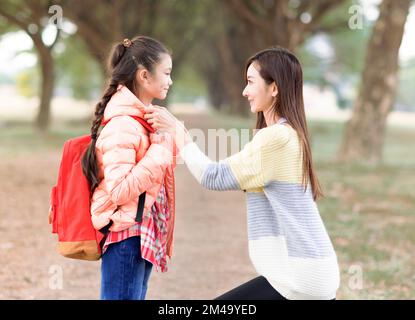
142	75
274	89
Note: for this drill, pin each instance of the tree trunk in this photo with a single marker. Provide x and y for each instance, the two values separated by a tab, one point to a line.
44	54
232	79
216	92
46	90
365	131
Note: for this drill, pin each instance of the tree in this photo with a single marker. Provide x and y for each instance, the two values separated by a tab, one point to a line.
32	17
254	25
76	70
365	131
100	24
286	23
219	56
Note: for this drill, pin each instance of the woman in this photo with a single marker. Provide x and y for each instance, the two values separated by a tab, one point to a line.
288	243
124	161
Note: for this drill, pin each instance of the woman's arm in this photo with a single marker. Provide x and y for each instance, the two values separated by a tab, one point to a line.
241	171
210	174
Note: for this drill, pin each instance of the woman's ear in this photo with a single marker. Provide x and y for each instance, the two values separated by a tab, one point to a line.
274	89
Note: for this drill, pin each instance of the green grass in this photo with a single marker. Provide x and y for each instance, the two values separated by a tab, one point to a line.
369	211
22	139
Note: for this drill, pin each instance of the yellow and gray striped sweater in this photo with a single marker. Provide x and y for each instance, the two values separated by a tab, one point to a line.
288	243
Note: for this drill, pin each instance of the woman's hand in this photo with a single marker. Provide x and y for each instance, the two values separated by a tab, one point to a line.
160	119
163	121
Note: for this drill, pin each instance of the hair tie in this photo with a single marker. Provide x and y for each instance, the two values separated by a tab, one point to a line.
127	43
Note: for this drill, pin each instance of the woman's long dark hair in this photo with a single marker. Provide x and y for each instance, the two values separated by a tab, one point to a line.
279	65
123	63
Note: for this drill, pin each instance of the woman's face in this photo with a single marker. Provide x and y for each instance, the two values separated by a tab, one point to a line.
156	84
259	94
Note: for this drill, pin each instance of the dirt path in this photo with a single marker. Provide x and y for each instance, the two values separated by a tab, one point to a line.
210	254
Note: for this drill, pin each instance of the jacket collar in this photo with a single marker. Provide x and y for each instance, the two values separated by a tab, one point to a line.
123	102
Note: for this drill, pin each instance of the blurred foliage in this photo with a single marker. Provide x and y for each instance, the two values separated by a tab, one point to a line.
199	67
187	86
406	93
338	67
27	82
82	75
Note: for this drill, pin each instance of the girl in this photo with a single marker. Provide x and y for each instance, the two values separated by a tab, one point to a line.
122	162
288	243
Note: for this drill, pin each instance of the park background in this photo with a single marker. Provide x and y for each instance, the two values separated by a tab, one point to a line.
358	60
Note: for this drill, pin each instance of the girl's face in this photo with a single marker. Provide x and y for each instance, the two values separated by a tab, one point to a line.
259	94
156	84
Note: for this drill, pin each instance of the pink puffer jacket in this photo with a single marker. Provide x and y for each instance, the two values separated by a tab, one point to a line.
130	164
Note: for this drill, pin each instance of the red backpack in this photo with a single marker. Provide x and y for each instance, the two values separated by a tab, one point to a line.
70	203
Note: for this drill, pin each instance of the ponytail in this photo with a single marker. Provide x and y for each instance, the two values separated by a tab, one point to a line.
89	160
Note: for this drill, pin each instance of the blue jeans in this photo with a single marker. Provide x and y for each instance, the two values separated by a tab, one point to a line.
124	273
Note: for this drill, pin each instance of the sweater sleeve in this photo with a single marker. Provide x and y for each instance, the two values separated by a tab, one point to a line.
241	171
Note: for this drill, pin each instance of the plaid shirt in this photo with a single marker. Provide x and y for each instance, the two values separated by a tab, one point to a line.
153	234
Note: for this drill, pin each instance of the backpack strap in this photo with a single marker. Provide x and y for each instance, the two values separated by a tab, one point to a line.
140	208
143	122
105	230
138	218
